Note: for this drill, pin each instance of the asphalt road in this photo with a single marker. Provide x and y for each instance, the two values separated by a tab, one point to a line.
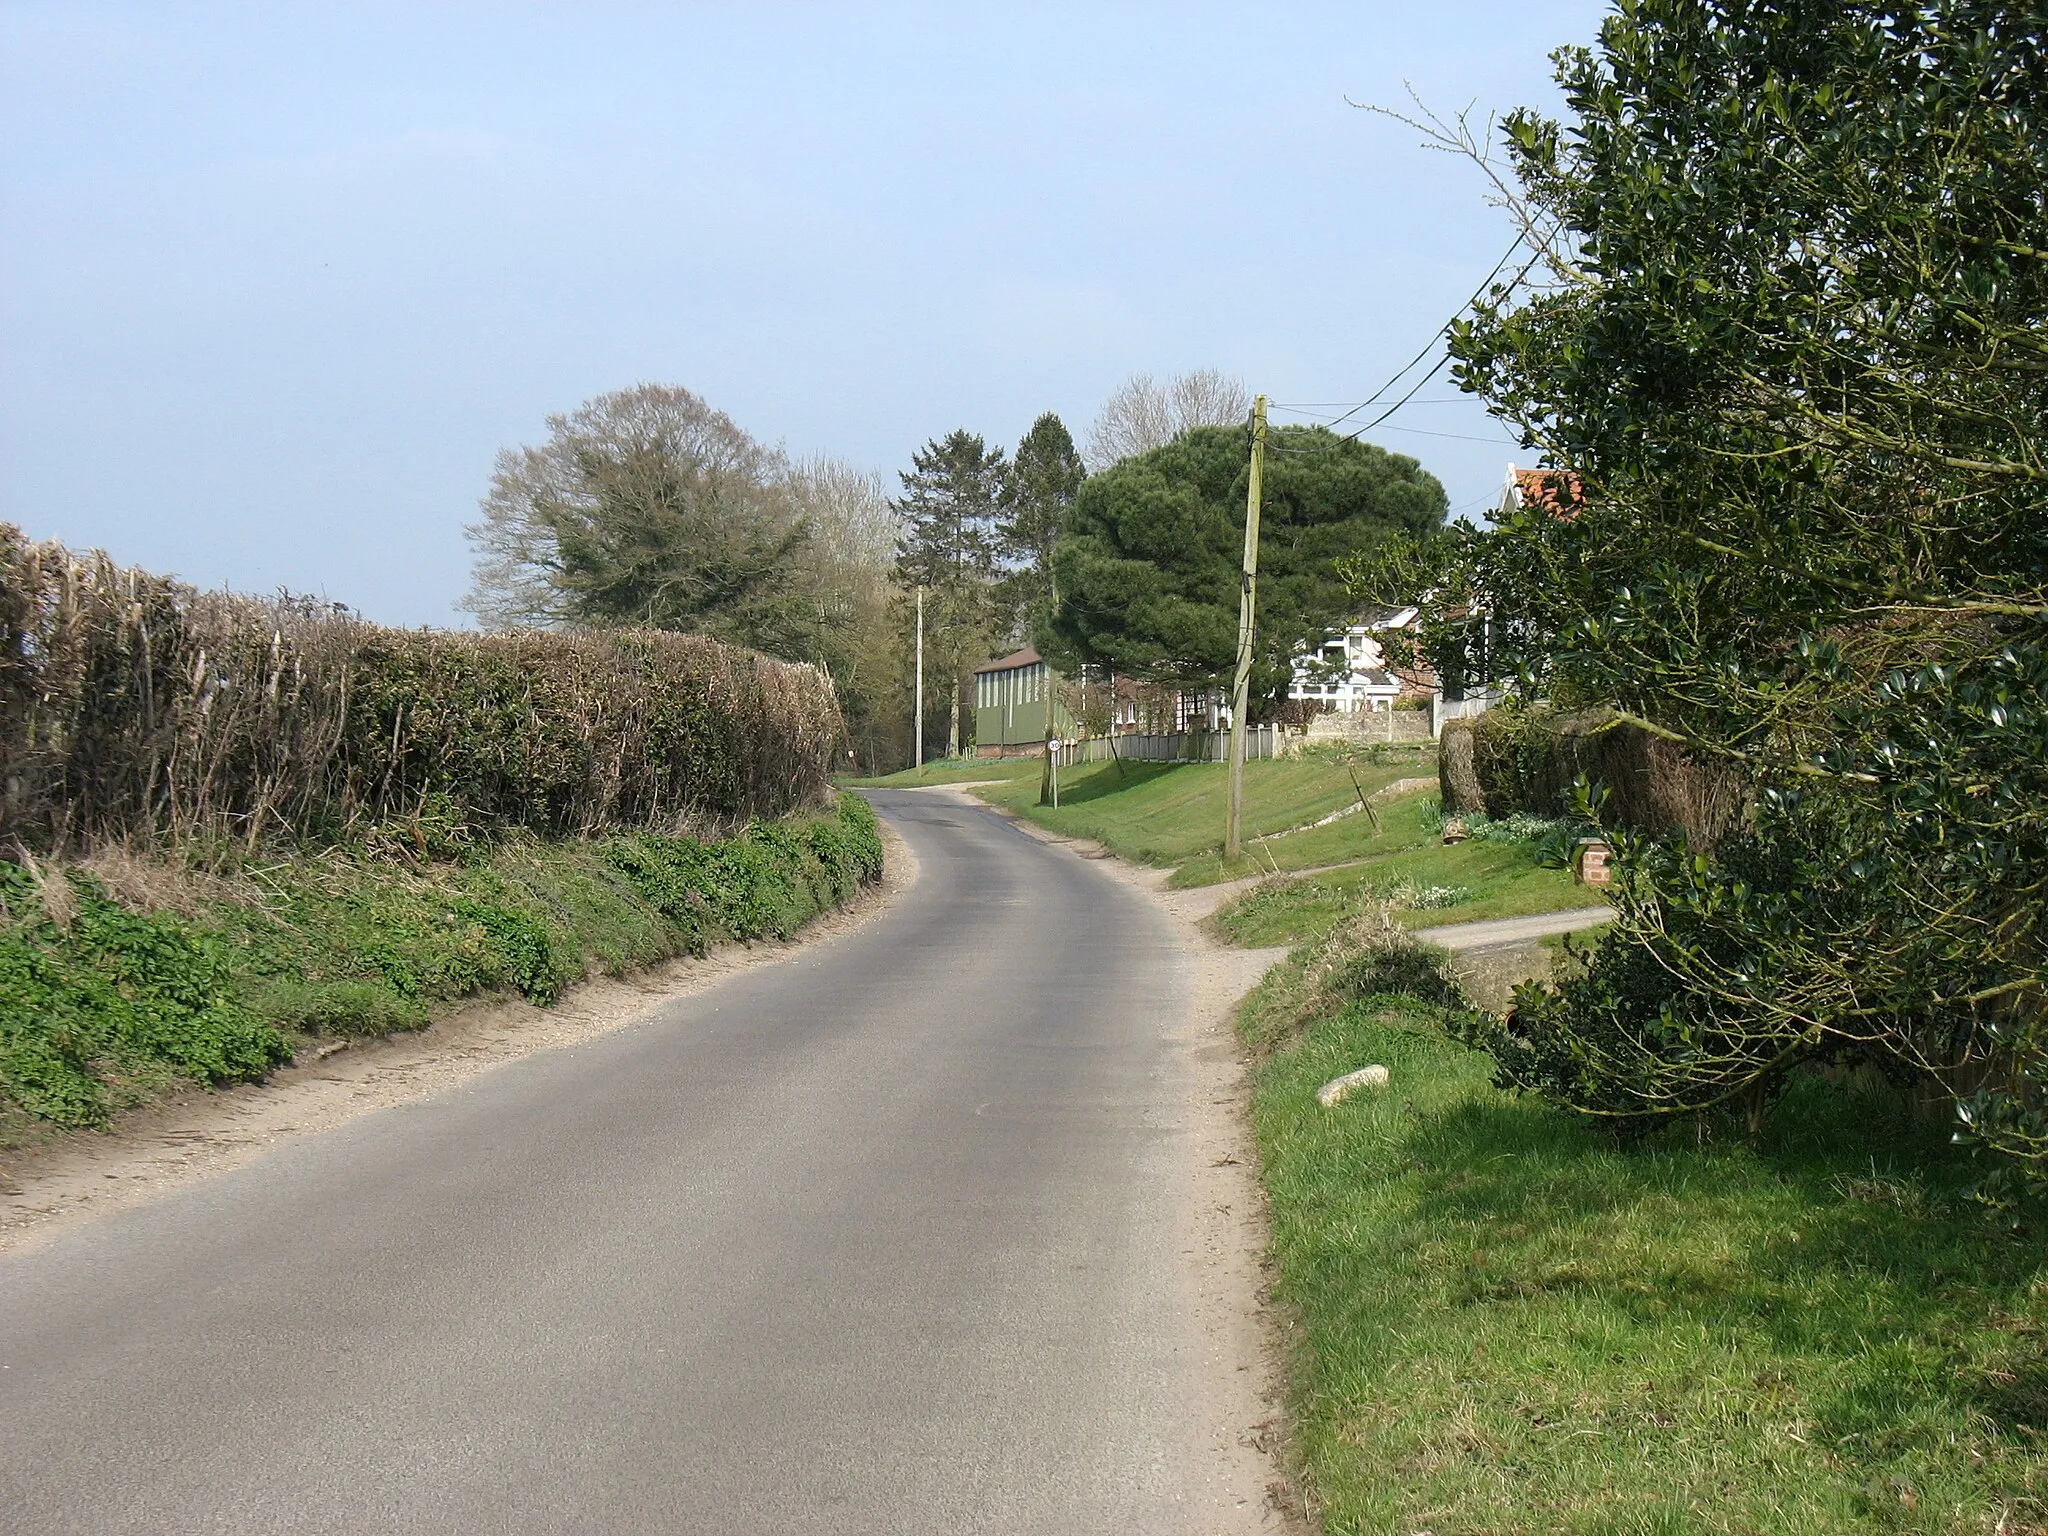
881	1238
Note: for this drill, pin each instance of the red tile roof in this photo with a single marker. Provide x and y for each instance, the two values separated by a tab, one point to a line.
1558	491
1023	658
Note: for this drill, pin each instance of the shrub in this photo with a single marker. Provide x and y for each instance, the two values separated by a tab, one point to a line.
132	705
1365	954
106	993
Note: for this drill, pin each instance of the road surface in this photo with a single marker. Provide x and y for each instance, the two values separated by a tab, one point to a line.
889	1237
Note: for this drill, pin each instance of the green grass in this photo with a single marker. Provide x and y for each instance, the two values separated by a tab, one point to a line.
955	771
1396	825
1167	813
1508	1324
1172	813
106	1003
1491	879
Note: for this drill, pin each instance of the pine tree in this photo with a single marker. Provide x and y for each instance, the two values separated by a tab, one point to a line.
1044	479
949	505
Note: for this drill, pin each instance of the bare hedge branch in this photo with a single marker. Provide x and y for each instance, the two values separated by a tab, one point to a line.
134	705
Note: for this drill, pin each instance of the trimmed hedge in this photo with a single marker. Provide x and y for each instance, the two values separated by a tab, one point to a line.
1518	757
134	705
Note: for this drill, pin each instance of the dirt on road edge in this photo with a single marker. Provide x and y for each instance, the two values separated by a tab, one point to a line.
79	1176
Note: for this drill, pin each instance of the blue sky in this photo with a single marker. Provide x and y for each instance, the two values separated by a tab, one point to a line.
278	280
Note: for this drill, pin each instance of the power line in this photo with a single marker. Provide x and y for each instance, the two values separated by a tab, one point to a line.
1505	442
1435	337
1409	398
1317	415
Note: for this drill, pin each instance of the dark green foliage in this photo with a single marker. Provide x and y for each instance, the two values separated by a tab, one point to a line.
848	848
949	510
1527	758
1045	476
1148	570
110	993
352	946
646	509
765	883
1794	362
949	505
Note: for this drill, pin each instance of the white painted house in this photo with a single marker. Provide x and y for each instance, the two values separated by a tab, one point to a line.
1349	672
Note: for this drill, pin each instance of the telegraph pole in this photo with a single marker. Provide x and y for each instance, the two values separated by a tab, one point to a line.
917	708
1240	698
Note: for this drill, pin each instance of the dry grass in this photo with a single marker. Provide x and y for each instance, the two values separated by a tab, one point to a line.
52	892
144	881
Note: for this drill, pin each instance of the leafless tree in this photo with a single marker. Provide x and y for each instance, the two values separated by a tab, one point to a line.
1547	246
854	530
849	568
1144	414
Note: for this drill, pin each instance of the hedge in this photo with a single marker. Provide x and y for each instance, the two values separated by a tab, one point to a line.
135	704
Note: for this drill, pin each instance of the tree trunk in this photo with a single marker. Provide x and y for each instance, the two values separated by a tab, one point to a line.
1456	778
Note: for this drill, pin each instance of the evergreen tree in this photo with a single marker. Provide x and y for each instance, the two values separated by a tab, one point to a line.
1044	479
949	511
1794	362
1148	562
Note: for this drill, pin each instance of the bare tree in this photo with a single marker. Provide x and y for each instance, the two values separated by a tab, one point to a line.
849	568
512	586
1481	142
854	531
1143	414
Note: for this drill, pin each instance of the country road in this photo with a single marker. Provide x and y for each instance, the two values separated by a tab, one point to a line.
892	1236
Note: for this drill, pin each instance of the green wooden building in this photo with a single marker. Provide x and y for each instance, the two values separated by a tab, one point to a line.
1011	698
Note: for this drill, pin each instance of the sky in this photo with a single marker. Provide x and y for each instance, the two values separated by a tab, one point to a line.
279	280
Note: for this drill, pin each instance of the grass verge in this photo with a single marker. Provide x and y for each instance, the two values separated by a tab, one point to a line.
119	982
1404	863
954	770
1511	1324
1168	813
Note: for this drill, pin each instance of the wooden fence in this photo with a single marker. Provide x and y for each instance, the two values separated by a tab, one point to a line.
1261	741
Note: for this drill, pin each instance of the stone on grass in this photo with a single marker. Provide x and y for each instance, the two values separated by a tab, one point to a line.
1338	1089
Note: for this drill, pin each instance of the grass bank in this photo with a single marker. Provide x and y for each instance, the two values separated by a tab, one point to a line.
1403	861
123	977
1509	1323
1391	848
1172	813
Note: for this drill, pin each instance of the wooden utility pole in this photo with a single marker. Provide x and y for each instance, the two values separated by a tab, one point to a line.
917	707
1247	595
